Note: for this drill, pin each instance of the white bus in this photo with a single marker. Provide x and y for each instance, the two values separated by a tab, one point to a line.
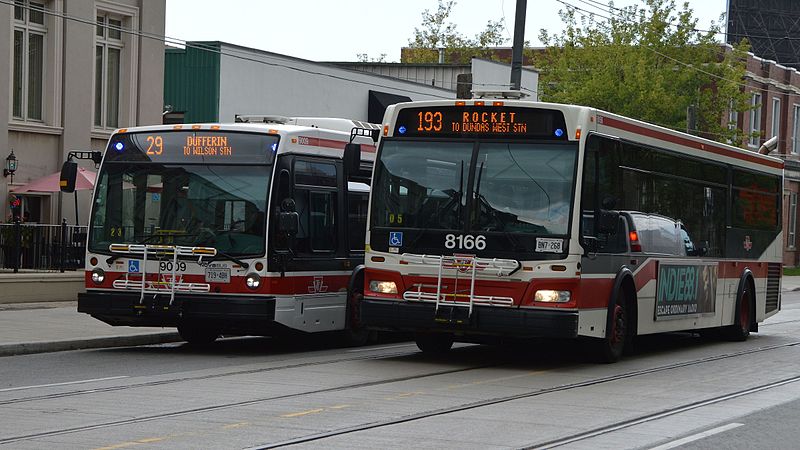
508	218
251	228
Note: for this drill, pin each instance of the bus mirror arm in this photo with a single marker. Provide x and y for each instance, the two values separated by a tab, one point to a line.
590	245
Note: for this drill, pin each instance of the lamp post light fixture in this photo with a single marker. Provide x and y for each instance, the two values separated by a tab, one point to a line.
11	166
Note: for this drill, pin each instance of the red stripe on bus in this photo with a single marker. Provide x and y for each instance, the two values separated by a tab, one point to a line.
660	135
330	143
288	285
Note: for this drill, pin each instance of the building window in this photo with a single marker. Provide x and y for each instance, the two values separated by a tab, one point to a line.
108	53
795	128
28	60
755	119
791	237
733	120
776	117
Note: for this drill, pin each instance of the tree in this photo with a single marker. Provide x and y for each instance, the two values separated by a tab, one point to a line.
437	32
651	64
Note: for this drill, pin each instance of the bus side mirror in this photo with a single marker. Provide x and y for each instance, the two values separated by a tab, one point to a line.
590	245
352	158
69	173
607	222
288	222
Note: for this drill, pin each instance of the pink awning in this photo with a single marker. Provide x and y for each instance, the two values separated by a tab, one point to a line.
51	183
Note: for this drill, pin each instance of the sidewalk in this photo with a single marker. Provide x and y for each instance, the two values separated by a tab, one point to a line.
52	327
58	326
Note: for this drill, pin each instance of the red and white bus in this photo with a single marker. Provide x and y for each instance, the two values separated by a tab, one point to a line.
508	218
250	228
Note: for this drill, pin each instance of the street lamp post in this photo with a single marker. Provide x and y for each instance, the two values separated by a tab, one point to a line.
11	166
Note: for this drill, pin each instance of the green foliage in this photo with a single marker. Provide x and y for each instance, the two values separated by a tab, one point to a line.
650	64
436	31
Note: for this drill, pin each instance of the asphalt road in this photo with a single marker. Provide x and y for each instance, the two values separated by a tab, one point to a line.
678	390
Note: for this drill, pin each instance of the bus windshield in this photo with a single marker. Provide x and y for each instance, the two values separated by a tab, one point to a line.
141	200
519	187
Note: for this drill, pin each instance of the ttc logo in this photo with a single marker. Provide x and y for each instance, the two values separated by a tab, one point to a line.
317	286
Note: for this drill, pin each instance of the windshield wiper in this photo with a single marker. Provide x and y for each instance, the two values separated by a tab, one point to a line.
229	257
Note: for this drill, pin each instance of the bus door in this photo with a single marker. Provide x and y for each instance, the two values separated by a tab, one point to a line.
315	260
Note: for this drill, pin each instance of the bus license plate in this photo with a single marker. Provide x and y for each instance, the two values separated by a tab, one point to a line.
218	275
549	245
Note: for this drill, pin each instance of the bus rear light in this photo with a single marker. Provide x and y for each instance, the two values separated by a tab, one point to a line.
93	261
378	259
259	266
549	296
383	287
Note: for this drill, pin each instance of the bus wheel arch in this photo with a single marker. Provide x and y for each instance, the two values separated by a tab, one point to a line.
621	322
354	333
744	316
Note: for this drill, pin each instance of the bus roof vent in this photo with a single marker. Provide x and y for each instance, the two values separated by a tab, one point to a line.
255	118
499	94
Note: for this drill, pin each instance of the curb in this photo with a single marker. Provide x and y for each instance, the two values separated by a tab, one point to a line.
28	348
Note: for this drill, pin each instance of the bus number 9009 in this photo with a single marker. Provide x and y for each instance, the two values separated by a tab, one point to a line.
465	242
168	266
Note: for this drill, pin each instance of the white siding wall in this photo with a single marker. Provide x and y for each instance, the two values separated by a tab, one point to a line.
294	87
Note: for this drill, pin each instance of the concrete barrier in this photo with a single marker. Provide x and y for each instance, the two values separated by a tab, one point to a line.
26	287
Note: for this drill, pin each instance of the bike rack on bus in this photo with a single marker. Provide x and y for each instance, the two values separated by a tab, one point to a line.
162	284
460	264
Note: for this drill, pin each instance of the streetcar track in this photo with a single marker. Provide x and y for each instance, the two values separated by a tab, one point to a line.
201	377
509	398
384	423
657	415
222	406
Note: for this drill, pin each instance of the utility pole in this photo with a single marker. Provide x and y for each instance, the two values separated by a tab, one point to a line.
519	41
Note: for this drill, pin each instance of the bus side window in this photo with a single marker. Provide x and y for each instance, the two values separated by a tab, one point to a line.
316	196
357	220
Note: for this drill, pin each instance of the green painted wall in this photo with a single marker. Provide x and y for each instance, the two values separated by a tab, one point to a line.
191	81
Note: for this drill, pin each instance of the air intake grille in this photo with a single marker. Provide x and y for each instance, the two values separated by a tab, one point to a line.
773	286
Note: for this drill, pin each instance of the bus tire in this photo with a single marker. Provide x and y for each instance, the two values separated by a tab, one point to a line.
740	330
434	343
610	348
197	334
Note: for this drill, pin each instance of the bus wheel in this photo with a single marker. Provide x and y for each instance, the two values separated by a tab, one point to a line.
610	348
740	329
434	343
354	334
197	334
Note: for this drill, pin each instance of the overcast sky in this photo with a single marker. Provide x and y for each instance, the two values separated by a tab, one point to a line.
339	30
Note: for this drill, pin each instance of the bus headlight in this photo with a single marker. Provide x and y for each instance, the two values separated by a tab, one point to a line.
551	296
383	287
98	276
253	281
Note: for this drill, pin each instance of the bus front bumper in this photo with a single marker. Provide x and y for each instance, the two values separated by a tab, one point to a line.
225	312
512	322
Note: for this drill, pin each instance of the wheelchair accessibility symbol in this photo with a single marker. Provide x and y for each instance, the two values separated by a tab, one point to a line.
133	266
396	238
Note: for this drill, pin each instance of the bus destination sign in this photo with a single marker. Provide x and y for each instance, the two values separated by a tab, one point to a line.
481	122
207	147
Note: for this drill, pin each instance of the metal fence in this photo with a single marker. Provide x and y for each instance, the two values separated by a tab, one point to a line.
41	248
